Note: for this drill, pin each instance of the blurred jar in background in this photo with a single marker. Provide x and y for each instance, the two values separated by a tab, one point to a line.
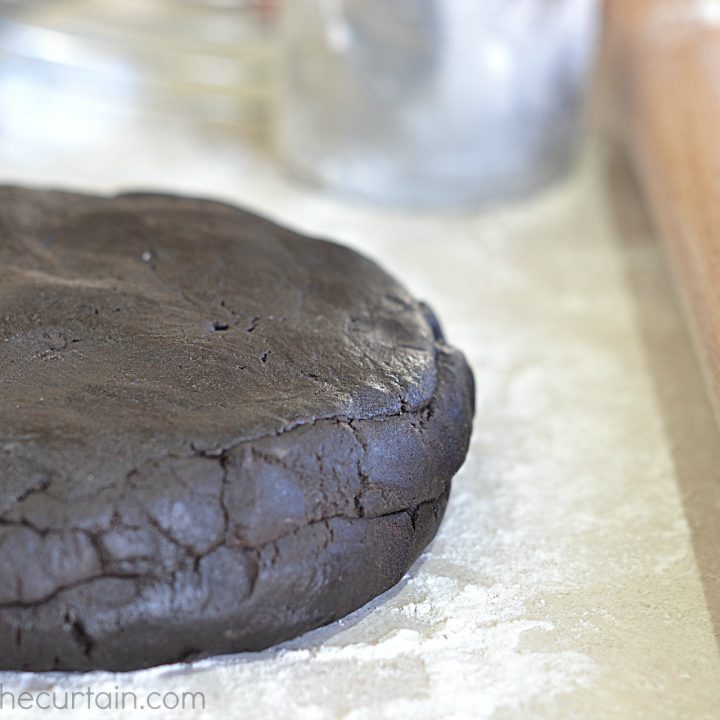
433	102
73	71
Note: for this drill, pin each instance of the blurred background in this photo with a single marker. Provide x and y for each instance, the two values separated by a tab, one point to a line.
426	103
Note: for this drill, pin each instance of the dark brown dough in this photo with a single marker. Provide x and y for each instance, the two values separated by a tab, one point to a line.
215	433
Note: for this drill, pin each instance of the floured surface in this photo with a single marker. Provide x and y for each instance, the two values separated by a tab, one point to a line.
564	582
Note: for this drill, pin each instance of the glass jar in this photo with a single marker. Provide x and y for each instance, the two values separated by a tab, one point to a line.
69	66
433	102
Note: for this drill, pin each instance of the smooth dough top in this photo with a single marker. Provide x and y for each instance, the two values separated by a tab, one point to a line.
141	323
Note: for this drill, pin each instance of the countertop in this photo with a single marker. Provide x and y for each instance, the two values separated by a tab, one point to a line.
576	574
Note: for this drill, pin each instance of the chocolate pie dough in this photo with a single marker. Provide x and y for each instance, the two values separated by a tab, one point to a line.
215	433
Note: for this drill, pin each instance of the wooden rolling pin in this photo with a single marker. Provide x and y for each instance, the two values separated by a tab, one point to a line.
664	60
